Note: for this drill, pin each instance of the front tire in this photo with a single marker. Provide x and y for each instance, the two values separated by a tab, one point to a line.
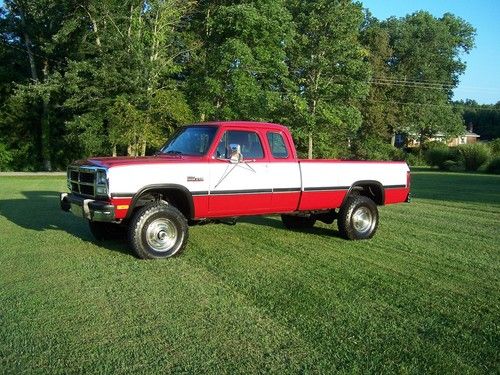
358	218
158	231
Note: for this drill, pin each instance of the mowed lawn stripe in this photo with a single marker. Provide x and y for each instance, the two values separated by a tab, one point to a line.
422	296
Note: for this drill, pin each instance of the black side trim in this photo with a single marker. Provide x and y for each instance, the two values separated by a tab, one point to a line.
327	188
180	188
394	186
197	193
122	195
284	190
247	191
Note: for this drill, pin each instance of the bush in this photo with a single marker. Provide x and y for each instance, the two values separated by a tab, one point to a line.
494	165
431	145
494	146
474	155
437	156
415	160
5	157
376	149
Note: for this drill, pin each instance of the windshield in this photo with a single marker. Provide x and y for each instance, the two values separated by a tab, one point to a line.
190	140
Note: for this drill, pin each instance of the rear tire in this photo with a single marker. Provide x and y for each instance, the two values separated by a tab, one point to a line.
158	231
358	218
297	222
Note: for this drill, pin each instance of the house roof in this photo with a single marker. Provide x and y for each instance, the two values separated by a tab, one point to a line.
471	134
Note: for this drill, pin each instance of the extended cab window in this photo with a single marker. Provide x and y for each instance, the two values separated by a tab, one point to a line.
249	142
277	145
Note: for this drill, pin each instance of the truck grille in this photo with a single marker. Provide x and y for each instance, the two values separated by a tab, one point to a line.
82	180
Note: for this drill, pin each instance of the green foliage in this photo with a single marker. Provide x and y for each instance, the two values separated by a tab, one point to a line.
441	156
484	119
328	71
453	165
474	155
429	145
415	160
241	72
99	76
376	149
494	165
494	146
378	111
408	56
5	157
87	134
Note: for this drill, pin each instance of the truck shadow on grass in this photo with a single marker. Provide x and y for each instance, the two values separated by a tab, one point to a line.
40	211
275	222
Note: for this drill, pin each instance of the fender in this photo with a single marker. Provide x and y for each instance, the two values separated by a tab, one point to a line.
365	182
156	187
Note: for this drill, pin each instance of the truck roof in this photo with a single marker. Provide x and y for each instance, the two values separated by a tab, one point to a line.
246	124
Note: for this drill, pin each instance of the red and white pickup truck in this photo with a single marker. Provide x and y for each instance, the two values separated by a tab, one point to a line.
225	170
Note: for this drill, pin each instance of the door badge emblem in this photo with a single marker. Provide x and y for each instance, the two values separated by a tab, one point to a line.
195	179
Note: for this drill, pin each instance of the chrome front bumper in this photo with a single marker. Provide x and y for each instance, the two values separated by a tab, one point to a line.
87	208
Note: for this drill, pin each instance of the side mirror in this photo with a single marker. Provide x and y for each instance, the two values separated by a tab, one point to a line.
236	156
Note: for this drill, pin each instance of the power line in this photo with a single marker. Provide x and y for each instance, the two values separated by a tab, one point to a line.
425	85
463	106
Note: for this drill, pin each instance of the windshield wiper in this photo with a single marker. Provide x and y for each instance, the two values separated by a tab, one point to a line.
174	152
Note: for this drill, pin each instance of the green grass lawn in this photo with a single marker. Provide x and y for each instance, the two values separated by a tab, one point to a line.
421	297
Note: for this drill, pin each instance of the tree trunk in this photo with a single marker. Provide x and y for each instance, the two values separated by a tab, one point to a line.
311	128
310	147
114	151
29	51
143	148
47	165
94	28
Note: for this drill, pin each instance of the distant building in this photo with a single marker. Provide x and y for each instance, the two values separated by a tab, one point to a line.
467	138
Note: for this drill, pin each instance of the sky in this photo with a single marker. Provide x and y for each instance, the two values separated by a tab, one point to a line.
481	80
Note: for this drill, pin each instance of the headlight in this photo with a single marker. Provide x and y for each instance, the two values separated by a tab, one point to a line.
101	178
101	190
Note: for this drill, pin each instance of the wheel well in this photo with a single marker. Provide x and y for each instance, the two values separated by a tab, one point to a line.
372	190
180	199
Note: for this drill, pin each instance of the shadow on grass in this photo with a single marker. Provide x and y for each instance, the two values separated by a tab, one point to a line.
275	222
40	211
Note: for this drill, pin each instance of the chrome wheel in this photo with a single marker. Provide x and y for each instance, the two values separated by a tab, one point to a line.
362	219
161	234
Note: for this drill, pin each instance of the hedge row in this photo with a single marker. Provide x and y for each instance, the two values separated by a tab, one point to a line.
469	157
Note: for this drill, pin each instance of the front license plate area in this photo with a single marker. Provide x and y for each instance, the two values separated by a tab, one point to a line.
77	210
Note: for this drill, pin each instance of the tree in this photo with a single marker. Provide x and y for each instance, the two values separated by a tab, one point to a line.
241	69
329	73
424	68
378	111
32	27
136	49
482	119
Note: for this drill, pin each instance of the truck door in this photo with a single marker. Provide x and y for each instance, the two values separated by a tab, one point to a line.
284	173
239	183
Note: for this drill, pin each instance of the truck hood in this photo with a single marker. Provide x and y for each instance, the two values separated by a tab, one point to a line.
120	161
